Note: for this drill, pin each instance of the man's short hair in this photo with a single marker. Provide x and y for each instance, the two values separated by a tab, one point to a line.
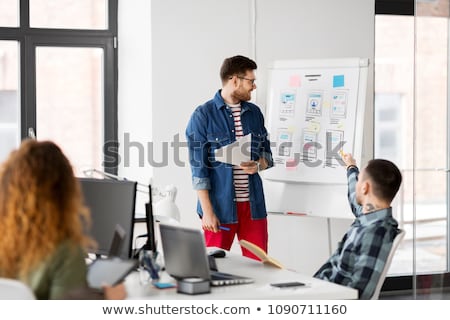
237	65
386	178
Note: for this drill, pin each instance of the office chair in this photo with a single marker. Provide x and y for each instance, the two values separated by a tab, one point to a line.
398	238
11	289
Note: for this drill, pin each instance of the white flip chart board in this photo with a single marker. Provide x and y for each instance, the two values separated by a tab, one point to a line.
315	108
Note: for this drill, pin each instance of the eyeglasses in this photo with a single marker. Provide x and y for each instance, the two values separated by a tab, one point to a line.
252	81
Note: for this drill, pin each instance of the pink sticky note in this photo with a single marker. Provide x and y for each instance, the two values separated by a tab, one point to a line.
294	81
291	164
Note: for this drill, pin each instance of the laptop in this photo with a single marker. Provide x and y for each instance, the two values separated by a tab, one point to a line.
185	257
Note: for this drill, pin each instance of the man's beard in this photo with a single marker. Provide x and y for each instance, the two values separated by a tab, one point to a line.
242	95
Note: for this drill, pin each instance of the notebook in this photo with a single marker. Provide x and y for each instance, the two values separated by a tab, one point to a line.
185	257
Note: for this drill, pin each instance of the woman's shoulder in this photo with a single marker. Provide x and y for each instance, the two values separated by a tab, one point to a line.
63	270
68	250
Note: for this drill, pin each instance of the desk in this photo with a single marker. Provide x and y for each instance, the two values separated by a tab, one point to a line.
263	275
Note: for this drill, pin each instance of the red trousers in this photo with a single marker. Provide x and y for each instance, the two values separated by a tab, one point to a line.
254	231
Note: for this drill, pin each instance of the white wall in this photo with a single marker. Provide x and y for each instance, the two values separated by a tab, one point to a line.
190	39
135	89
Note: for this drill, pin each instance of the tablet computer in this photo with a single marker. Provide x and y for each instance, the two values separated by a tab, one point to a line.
109	271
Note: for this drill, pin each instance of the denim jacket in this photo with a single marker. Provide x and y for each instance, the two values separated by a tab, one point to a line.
210	127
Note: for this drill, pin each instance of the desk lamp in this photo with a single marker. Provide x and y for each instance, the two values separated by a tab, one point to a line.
166	210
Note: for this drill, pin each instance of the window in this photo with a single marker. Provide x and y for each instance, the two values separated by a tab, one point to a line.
69	83
69	14
60	62
9	95
9	13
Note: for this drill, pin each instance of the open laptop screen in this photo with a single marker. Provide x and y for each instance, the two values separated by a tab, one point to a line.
184	252
185	257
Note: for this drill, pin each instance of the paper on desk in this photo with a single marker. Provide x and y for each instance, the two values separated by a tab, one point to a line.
236	152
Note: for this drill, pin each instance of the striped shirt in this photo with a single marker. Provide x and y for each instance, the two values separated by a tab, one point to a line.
240	178
361	255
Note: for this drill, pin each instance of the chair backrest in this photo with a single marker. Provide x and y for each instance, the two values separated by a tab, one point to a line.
398	238
11	289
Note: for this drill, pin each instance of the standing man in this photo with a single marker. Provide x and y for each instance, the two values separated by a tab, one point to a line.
230	198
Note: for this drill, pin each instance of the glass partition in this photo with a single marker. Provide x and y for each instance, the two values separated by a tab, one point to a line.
393	114
431	137
411	129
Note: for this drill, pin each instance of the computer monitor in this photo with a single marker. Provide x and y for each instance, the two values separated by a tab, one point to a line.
111	203
150	243
150	224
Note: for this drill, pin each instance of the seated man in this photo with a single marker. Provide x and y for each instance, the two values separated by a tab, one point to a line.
362	253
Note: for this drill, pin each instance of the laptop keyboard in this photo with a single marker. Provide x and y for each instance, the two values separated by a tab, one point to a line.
224	279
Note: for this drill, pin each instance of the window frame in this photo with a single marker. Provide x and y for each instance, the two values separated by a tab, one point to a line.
396	7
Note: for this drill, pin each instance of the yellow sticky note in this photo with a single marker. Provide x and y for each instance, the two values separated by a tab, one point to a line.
313	126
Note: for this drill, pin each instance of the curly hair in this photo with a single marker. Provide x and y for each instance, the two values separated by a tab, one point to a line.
41	206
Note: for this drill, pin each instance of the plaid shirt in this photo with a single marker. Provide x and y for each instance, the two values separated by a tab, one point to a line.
362	253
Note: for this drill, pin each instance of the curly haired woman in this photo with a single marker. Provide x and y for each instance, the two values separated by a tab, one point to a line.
42	219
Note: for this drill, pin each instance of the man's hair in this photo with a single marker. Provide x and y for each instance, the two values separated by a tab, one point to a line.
237	65
386	178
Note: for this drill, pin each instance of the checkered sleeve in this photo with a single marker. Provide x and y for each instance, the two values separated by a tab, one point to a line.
352	177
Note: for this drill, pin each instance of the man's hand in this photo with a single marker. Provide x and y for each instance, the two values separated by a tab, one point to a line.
249	167
348	159
117	292
210	222
209	218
